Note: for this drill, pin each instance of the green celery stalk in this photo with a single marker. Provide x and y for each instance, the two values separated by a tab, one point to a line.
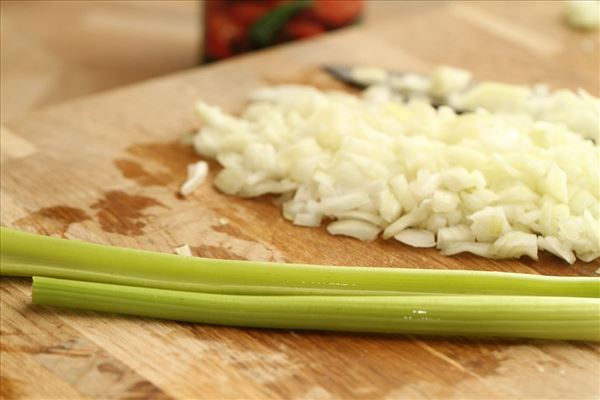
24	254
498	316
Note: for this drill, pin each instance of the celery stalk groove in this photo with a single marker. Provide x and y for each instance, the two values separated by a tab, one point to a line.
474	315
25	254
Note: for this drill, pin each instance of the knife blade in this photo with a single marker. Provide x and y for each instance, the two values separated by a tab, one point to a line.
361	77
404	84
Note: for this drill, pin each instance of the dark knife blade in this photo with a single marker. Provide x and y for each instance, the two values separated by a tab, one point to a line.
349	76
358	77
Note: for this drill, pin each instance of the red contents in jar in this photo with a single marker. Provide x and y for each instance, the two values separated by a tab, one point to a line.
221	34
236	26
302	29
248	12
335	13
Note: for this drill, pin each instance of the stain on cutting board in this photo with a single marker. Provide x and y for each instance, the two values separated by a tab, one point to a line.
174	156
120	212
219	252
144	390
53	220
8	387
171	158
135	171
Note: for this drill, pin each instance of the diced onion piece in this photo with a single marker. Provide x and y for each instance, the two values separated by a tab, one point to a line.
465	157
414	217
409	82
354	228
530	218
369	75
454	217
478	199
184	250
401	190
416	237
592	229
377	94
444	201
291	209
389	206
454	234
514	245
495	96
231	160
554	246
344	202
457	179
308	219
447	80
489	224
215	117
196	174
361	215
589	257
230	181
479	249
555	184
517	193
302	169
264	187
207	143
582	201
425	184
435	222
260	157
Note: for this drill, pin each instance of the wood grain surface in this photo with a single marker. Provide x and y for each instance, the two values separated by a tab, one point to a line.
106	169
86	46
58	50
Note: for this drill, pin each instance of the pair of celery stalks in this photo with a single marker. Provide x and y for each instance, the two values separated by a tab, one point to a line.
70	273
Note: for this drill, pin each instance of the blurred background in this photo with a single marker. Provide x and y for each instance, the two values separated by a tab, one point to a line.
54	51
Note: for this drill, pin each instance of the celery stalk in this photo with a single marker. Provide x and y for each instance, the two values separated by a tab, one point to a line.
24	254
499	316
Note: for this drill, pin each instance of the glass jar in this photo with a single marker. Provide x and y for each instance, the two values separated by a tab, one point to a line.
237	26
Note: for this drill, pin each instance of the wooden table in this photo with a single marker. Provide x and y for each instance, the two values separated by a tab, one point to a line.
106	169
87	46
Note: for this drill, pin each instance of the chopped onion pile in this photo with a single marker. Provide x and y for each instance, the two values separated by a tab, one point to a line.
579	111
499	185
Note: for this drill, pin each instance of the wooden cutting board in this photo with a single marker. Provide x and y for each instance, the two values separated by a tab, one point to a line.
106	169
